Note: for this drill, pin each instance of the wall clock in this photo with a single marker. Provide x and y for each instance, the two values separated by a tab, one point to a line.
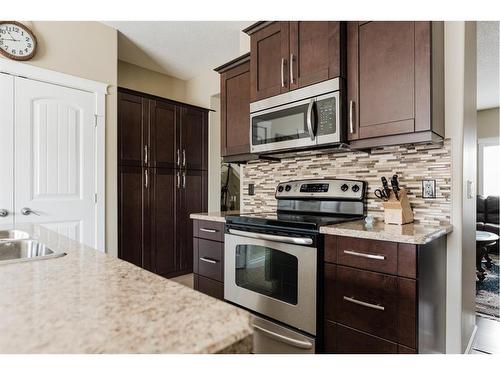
17	41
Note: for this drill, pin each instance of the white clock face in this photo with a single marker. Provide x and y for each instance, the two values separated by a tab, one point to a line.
16	42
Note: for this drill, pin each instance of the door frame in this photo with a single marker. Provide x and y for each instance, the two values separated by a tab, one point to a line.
100	90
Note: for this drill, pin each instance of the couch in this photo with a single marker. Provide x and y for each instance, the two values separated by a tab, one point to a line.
487	216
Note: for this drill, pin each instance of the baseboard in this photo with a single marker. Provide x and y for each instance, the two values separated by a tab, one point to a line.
472	339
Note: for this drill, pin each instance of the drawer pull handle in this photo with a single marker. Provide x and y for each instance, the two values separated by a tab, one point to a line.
208	260
364	255
208	230
366	304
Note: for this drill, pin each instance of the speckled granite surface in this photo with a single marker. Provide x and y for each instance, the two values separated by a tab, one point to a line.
213	216
89	302
408	233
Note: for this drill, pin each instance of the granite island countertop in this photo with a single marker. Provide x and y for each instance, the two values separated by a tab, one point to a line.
91	302
417	234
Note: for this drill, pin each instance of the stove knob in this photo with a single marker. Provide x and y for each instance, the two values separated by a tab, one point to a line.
280	188
344	187
355	188
288	188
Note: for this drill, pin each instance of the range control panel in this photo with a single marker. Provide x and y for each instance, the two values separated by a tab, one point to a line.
321	189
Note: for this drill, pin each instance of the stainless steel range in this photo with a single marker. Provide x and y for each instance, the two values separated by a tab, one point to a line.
272	258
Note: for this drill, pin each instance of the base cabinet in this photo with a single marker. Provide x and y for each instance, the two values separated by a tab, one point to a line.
208	257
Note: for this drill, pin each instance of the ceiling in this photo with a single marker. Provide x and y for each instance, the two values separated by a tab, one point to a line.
488	78
182	49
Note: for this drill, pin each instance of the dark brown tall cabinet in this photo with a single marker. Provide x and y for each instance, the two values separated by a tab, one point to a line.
162	167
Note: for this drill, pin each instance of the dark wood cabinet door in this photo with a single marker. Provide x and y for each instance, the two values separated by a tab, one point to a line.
163	223
386	78
314	52
164	146
235	110
194	139
132	129
133	235
269	49
193	198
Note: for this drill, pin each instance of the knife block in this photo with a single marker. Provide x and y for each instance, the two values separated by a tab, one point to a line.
398	211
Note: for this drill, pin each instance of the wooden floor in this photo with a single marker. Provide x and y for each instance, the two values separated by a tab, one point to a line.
186	280
487	336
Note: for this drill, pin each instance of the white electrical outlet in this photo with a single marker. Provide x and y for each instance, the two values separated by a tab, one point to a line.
428	188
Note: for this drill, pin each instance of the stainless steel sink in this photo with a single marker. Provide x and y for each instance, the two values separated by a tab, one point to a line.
25	250
13	234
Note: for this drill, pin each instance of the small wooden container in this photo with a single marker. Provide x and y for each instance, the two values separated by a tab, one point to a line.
398	211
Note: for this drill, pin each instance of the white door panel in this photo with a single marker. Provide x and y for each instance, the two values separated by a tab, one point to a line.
55	158
7	148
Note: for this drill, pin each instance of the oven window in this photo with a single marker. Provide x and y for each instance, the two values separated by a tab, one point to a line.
267	271
284	125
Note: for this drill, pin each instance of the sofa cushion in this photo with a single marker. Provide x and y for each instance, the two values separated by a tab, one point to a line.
481	209
492	209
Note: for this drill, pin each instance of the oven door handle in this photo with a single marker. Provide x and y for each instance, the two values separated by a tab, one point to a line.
272	237
310	119
287	340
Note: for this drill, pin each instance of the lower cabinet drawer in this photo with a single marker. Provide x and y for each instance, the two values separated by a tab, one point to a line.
208	286
340	339
378	304
210	259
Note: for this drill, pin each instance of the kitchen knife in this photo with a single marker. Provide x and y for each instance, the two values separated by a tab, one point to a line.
395	185
385	185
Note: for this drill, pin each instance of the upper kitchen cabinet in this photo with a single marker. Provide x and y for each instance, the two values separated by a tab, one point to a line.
133	125
395	83
235	109
194	138
289	55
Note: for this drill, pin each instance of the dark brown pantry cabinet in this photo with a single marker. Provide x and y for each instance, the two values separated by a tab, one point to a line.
395	82
162	168
289	55
235	109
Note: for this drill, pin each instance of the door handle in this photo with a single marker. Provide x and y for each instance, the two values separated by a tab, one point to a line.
208	260
292	56
145	154
364	255
183	180
28	211
351	116
208	230
178	161
310	119
3	212
178	176
287	340
146	178
283	82
183	157
272	237
362	303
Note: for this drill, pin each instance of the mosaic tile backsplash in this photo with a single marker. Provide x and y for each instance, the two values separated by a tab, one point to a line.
412	163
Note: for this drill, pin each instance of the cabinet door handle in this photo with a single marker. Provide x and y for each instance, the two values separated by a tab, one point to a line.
208	230
183	180
178	176
351	116
146	175
145	154
208	260
282	72
183	157
365	255
292	56
365	304
178	160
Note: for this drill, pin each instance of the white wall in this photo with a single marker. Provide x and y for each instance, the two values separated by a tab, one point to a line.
488	123
460	126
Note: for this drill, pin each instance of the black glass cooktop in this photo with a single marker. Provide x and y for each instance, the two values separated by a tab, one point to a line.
288	220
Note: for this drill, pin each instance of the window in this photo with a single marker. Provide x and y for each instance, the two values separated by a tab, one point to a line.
489	173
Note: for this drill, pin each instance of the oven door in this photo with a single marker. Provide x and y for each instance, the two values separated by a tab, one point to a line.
285	127
271	277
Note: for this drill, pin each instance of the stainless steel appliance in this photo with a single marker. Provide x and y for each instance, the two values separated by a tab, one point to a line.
302	118
271	259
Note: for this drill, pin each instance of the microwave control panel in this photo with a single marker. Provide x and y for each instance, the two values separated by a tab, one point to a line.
327	116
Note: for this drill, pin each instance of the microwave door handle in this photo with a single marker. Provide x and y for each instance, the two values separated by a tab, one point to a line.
310	119
272	237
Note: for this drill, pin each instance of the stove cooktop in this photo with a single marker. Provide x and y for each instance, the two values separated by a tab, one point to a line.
288	220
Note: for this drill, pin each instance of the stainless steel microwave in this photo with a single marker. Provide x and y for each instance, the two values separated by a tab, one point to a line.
307	117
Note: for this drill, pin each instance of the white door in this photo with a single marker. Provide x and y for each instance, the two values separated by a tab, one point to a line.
54	159
6	149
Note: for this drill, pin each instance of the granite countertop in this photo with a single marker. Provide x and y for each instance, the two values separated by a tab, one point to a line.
90	302
219	216
408	233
